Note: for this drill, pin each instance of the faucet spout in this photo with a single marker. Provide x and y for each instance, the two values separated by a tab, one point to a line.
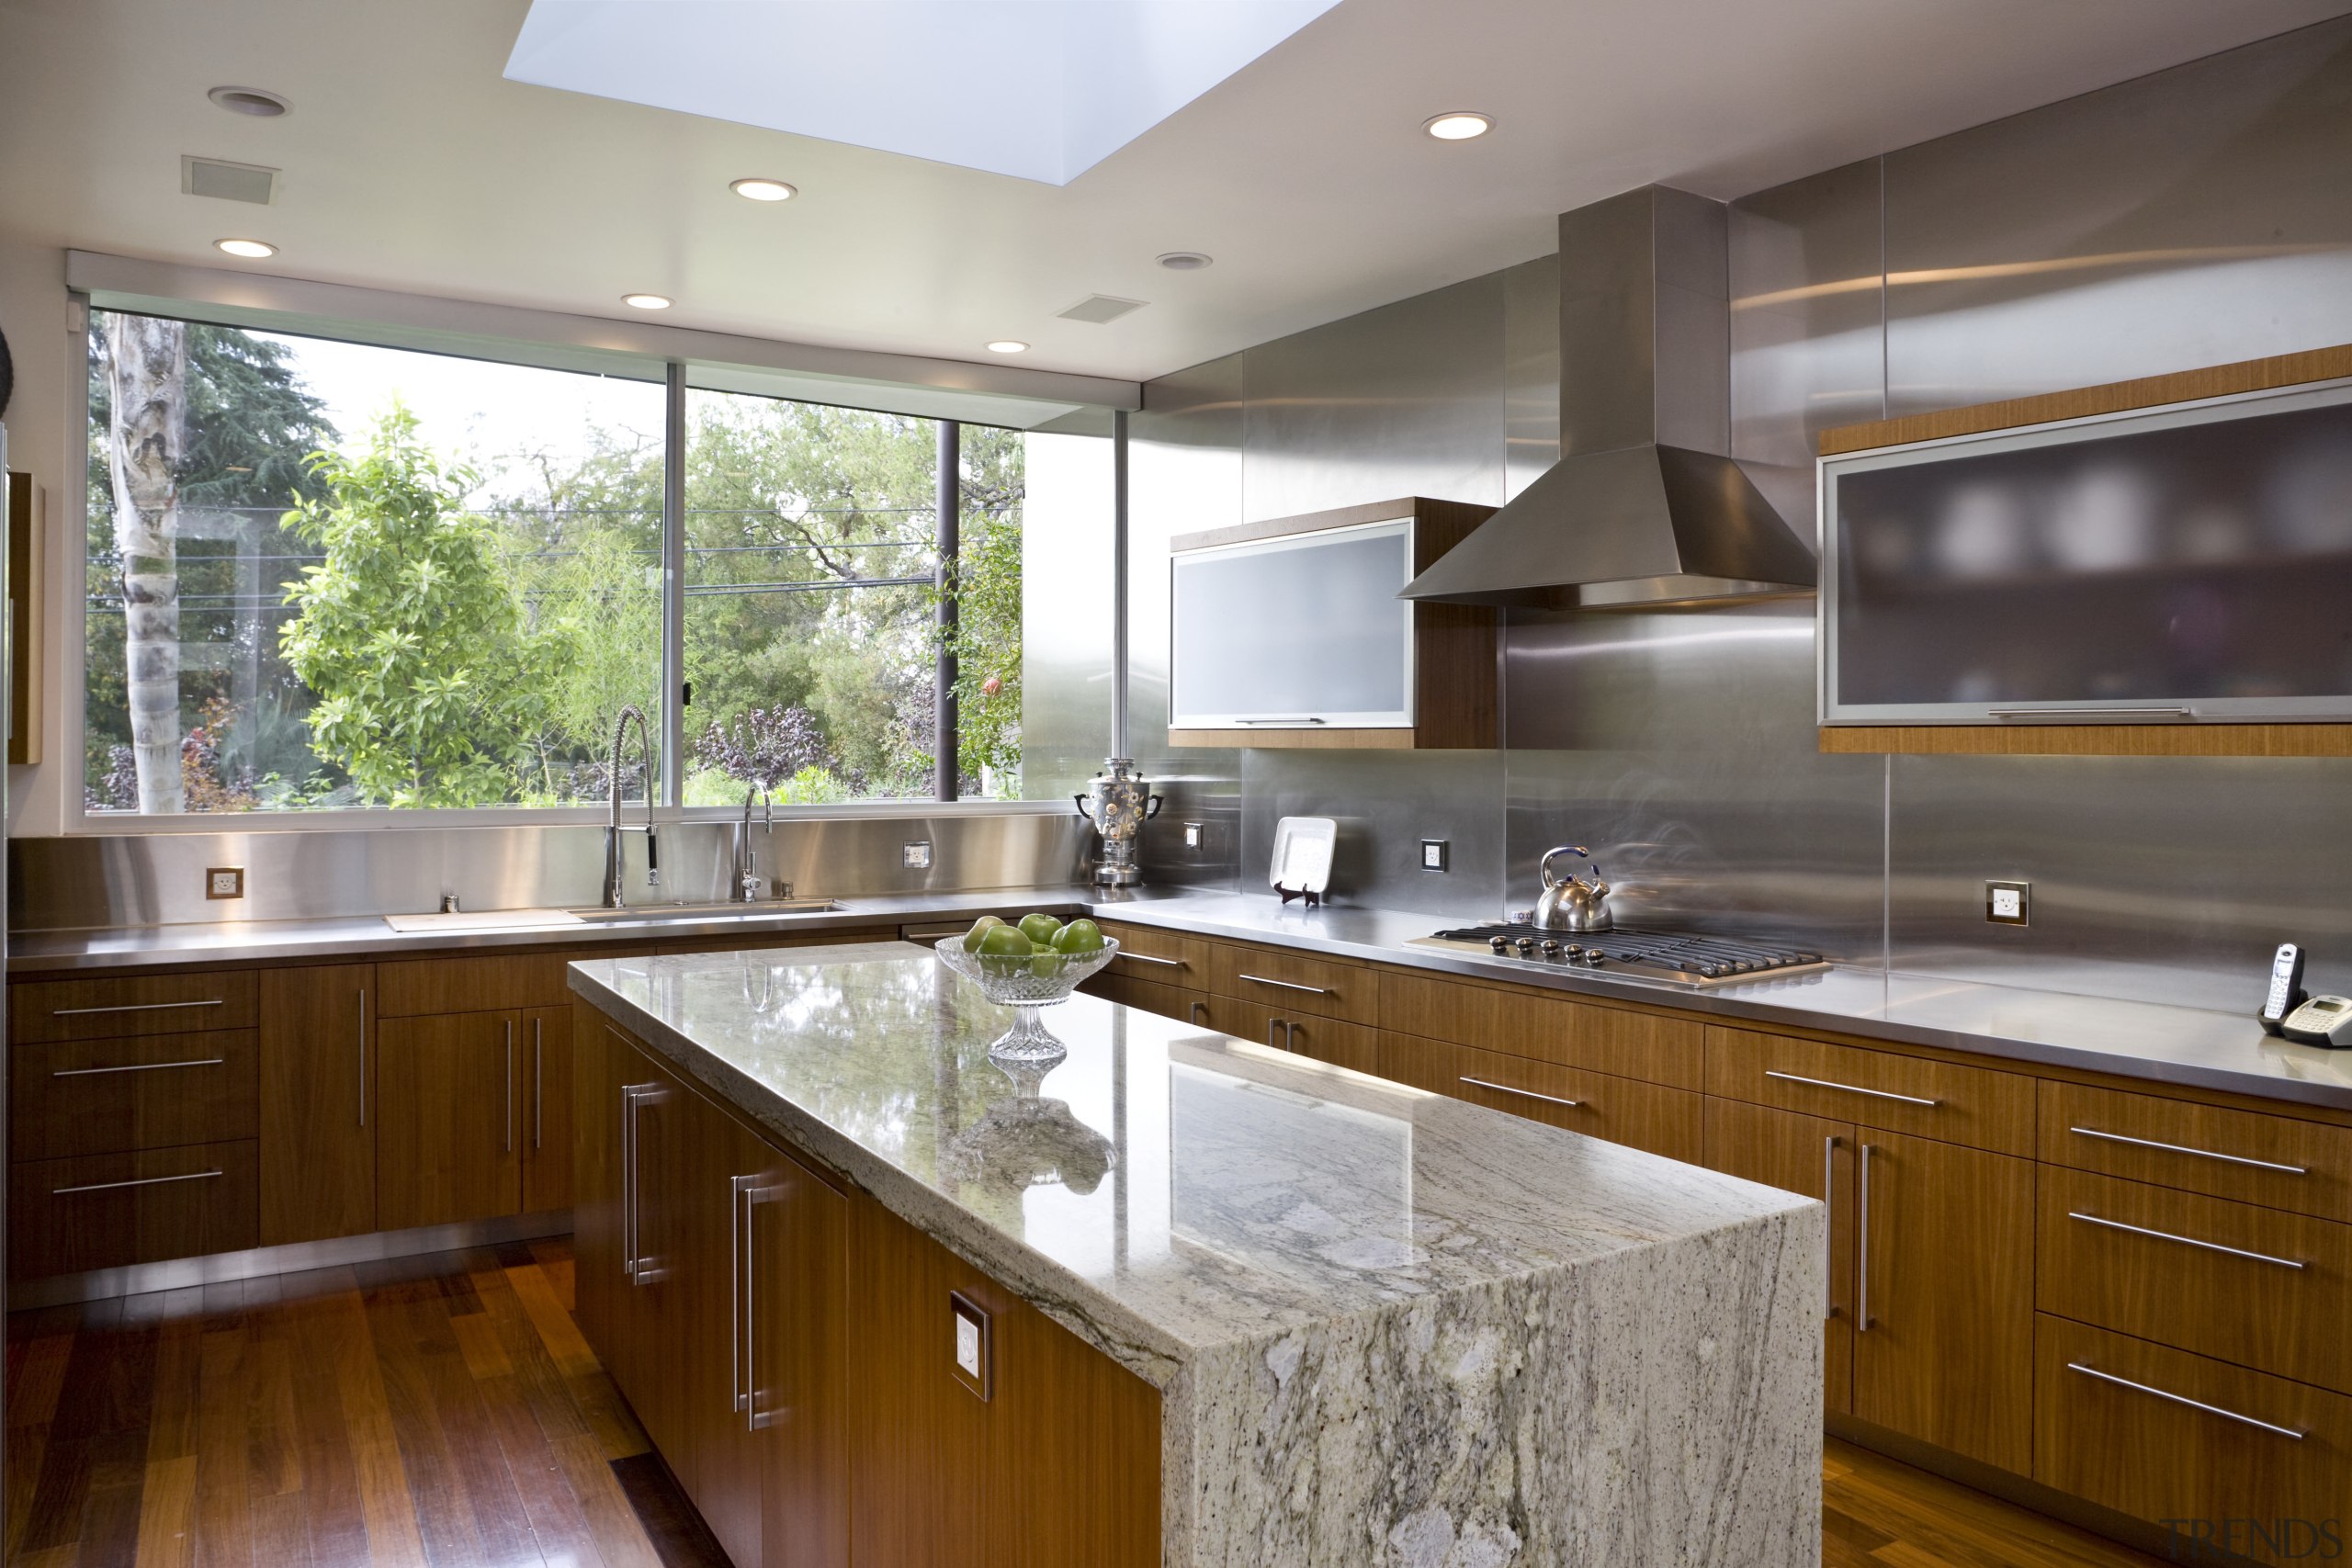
614	894
747	861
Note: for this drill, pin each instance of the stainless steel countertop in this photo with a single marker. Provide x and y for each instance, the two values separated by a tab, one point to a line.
2158	1041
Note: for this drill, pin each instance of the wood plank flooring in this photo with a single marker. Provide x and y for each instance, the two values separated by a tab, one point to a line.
444	1412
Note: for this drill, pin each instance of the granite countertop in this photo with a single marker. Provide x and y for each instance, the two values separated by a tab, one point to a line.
1342	1286
2160	1042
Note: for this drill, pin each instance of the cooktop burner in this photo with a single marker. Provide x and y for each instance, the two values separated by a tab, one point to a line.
1683	957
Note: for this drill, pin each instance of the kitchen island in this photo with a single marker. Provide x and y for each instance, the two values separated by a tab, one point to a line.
1289	1314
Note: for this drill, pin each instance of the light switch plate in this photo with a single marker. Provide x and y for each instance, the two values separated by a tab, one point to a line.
224	881
1194	835
916	856
1435	853
971	1342
2009	903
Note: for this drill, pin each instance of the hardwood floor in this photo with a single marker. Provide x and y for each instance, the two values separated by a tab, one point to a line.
445	1412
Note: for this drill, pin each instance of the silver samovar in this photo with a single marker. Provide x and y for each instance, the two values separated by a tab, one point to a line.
1118	803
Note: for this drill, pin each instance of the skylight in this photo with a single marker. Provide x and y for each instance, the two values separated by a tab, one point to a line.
1039	89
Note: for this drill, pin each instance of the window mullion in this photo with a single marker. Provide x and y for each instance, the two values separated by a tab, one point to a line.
674	588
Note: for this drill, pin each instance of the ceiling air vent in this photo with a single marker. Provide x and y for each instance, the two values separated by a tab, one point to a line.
228	181
1100	309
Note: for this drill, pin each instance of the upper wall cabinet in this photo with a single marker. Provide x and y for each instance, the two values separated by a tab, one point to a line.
1289	633
2162	566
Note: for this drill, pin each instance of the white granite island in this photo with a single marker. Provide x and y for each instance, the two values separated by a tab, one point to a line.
1385	1326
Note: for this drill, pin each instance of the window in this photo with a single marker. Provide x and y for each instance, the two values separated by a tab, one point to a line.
324	575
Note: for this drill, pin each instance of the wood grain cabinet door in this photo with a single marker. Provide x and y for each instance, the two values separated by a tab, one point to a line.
545	1098
319	1104
1943	1296
447	1142
1816	1157
599	1053
797	1267
725	1170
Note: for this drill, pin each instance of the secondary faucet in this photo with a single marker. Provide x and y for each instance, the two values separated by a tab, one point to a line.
748	886
614	899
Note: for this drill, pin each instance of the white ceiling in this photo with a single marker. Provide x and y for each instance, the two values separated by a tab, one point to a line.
409	164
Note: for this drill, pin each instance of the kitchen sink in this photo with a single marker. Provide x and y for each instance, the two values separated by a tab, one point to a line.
727	910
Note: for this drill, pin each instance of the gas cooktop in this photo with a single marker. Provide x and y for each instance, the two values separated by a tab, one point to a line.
1683	957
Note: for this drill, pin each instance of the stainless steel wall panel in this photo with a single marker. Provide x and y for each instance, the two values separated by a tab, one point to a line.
1065	529
1679	747
1406	399
2192	217
1530	372
1385	803
2168	880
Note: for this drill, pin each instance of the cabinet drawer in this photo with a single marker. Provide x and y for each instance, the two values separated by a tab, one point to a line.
1618	1040
2136	1446
1669	1121
1166	958
129	1004
1287	1028
2275	1161
2258	1287
1291	982
152	1091
106	1211
1874	1088
487	984
1178	1002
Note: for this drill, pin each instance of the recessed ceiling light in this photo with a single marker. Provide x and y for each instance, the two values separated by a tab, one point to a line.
1008	346
249	100
1458	125
763	190
252	250
1186	261
646	301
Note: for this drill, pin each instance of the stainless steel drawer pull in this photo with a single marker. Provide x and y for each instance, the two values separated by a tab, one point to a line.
1303	719
2184	1240
1862	1245
1287	985
1852	1089
1150	958
2182	1399
2185	1149
141	1182
2092	711
1829	1196
137	1007
137	1067
1527	1093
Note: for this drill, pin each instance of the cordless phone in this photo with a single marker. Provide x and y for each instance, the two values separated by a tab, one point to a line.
2286	988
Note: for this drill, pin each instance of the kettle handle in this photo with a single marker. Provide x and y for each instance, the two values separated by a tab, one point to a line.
1154	810
1544	866
1081	807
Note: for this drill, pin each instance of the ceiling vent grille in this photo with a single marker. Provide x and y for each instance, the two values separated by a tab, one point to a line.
1100	309
228	181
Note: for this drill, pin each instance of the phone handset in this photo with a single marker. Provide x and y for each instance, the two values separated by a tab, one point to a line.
2286	992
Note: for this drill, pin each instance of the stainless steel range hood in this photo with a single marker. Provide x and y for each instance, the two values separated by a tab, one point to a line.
1645	506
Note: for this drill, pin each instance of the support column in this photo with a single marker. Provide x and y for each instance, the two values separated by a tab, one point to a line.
950	514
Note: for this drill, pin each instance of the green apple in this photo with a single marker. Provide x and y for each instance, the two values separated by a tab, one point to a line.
1003	950
1078	936
1044	962
1039	927
980	928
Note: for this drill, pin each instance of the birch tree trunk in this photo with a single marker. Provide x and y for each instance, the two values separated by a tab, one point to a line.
147	374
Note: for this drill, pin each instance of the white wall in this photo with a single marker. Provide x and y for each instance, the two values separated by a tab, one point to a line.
44	440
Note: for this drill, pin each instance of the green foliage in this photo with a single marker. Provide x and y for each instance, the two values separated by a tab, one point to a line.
987	638
432	688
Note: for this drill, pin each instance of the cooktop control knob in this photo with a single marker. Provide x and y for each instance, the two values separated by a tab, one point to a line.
1551	947
1525	944
1499	943
1593	955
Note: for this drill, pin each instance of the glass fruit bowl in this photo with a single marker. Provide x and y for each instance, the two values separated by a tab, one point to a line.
1026	985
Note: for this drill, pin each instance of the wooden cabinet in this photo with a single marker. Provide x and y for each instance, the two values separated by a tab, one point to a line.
1546	1026
1181	1003
600	1060
1162	957
152	1091
545	1096
1669	1121
1816	1157
446	1103
1943	1295
66	1216
318	1102
1942	1100
2278	1161
121	1005
797	1374
1293	983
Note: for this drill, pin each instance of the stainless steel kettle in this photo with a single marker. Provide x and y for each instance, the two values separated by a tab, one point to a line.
1569	905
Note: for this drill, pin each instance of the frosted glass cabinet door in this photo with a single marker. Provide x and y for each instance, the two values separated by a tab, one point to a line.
1300	631
2193	562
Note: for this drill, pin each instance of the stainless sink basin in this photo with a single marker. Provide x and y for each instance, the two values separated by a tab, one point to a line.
766	908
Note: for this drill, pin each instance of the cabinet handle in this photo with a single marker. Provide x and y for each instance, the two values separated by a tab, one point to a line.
363	1056
2182	1399
738	1287
1303	719
1150	958
1527	1093
2089	710
1829	1196
136	1007
140	1181
1198	1008
1272	1024
538	1083
1852	1089
2184	1240
1862	1247
509	1086
1287	985
632	1263
2185	1149
137	1067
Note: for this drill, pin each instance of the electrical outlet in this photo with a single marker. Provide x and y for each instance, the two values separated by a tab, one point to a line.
1434	854
971	1342
1195	835
2009	903
224	881
916	856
